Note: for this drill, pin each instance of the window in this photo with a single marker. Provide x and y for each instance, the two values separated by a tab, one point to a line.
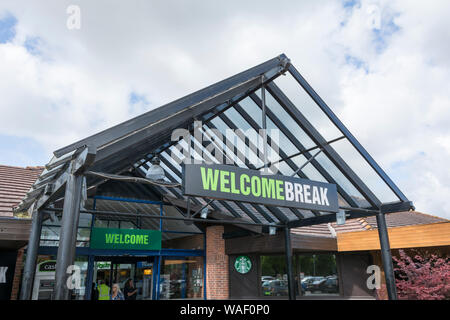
181	278
317	274
274	275
51	229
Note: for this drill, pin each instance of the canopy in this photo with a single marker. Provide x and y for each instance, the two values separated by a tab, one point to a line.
305	123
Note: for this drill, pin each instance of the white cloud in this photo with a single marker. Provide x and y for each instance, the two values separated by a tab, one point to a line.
396	103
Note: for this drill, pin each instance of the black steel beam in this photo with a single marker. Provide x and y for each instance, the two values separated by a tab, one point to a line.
160	191
312	132
273	66
173	190
396	207
327	218
179	174
31	257
330	114
68	235
275	211
272	143
289	269
305	151
258	208
386	257
293	139
232	220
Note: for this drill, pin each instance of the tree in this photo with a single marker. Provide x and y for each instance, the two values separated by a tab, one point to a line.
422	276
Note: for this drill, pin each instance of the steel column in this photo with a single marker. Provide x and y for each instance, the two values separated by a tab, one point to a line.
30	262
264	124
89	278
288	248
68	235
386	257
318	139
204	266
326	109
158	279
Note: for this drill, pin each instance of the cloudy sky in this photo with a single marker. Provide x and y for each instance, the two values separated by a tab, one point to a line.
382	66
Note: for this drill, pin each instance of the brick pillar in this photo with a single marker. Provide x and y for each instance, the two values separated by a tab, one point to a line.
216	264
17	275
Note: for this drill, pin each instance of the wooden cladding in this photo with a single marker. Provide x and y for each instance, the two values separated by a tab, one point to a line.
15	229
426	235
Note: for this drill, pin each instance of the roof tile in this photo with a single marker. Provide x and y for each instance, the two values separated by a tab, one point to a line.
15	182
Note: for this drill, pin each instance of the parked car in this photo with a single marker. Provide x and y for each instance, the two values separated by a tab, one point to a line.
307	283
267	278
326	285
275	288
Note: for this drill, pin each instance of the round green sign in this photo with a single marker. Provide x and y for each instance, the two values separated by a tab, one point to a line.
243	264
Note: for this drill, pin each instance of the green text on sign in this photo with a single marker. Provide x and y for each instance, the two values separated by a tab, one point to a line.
131	239
226	182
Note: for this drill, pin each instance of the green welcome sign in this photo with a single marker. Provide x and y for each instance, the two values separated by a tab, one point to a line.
128	239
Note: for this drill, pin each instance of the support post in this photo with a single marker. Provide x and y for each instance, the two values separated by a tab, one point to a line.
68	234
264	124
30	261
386	257
291	280
89	278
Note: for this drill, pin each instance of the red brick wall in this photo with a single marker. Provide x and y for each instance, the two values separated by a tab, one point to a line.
17	274
216	264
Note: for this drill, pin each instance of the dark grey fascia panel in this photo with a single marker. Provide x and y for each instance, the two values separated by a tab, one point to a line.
330	114
271	68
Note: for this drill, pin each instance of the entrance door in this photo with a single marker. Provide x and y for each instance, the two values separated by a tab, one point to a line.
118	270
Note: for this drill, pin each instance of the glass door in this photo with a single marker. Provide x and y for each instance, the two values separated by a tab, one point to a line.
181	278
102	279
144	280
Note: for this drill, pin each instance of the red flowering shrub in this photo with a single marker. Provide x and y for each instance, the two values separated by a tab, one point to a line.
422	276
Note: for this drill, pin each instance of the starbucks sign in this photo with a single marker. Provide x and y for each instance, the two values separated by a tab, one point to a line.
243	264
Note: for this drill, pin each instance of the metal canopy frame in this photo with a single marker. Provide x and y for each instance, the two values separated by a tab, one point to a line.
129	147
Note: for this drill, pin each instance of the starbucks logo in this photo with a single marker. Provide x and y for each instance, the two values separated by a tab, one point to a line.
243	264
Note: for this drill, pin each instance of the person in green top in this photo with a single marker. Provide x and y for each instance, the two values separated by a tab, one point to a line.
103	290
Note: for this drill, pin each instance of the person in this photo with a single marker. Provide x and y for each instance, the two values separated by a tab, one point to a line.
116	293
130	291
94	292
103	290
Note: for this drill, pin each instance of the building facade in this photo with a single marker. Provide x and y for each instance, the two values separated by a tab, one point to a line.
15	182
128	202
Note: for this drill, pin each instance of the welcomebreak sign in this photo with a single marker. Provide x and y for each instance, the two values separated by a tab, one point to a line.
239	184
129	239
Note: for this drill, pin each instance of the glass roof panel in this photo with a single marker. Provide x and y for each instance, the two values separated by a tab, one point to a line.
340	179
253	135
251	108
362	168
308	107
289	122
228	156
249	153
